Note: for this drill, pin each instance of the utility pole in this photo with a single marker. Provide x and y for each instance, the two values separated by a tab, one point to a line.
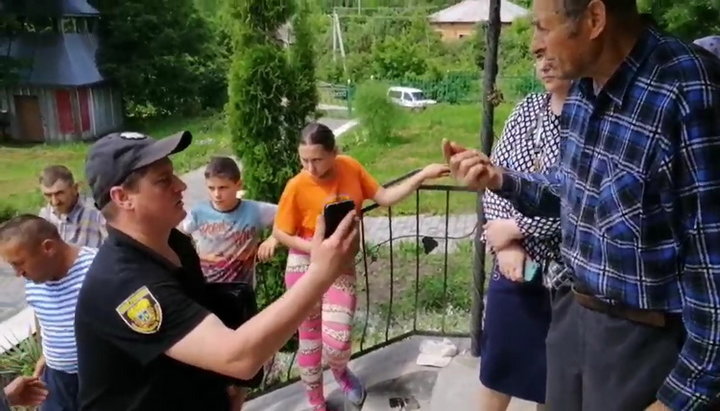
486	140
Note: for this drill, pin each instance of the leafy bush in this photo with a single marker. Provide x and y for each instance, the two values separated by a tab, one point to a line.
7	212
394	58
21	359
379	116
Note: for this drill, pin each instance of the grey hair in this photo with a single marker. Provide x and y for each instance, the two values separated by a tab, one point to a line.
618	8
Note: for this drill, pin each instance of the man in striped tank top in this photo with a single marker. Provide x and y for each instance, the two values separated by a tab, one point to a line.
54	272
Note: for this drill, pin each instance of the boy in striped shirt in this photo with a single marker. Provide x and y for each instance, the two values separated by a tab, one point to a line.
54	272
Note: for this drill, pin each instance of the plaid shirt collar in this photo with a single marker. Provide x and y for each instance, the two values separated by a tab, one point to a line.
625	76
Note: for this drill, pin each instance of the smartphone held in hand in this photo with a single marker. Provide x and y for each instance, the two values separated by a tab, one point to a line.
532	269
334	214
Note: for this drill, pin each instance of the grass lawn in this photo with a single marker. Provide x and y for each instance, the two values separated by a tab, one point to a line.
418	144
21	164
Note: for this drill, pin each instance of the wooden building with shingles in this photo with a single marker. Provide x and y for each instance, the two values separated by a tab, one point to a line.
58	93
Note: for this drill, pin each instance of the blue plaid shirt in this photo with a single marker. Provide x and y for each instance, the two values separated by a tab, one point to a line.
639	185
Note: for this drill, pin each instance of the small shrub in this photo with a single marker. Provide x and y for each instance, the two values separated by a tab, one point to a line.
21	359
378	115
7	212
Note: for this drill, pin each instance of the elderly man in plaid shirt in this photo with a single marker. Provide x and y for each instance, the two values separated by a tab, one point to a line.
638	184
77	224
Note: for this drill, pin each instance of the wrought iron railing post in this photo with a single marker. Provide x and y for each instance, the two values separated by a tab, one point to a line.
392	276
417	258
445	260
367	282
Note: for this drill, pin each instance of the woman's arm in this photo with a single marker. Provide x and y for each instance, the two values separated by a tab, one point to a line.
291	241
387	196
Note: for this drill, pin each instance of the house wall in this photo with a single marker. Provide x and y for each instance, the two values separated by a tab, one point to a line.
68	114
456	31
106	110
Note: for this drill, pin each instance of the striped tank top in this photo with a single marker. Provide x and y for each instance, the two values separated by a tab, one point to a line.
54	305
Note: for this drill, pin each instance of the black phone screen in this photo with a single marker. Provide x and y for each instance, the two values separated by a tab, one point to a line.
334	213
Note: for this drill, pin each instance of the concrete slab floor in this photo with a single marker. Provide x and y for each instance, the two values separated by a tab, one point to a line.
394	383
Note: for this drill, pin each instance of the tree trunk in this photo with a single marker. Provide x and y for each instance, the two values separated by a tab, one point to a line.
486	140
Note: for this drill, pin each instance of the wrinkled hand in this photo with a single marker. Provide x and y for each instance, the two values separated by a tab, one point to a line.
332	256
658	406
26	392
511	262
266	251
433	171
471	167
501	233
39	367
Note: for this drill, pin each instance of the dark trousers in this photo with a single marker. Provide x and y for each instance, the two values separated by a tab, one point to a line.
596	362
62	391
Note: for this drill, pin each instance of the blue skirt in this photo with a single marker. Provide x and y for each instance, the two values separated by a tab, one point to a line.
512	344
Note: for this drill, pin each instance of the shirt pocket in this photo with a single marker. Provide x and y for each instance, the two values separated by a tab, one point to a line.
618	213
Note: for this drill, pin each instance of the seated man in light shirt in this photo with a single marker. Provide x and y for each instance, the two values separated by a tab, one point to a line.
76	223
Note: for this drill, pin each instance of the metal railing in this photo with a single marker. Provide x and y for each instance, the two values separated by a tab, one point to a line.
392	308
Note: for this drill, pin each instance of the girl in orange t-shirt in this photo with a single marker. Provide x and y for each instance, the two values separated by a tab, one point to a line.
328	177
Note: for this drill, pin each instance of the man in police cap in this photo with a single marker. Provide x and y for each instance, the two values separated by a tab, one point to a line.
145	341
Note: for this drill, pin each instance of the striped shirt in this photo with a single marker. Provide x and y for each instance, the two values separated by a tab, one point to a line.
83	226
54	305
638	183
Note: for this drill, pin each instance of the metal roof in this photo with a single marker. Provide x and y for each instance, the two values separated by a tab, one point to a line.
54	59
50	8
475	11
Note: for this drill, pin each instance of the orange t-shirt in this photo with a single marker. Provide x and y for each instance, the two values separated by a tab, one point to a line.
305	197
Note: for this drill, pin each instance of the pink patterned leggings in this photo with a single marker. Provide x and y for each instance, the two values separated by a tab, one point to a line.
327	330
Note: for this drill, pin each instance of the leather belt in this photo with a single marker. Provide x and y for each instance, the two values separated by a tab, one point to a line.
652	318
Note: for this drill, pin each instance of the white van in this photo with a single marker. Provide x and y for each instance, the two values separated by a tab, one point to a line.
412	98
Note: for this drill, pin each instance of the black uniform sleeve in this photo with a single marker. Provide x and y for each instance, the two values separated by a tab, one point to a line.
144	318
4	404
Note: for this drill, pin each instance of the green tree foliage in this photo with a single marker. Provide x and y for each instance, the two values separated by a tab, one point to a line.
9	67
391	44
688	19
303	94
328	5
395	58
163	55
516	61
271	94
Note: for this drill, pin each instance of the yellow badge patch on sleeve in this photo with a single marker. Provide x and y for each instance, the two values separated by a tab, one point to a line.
141	311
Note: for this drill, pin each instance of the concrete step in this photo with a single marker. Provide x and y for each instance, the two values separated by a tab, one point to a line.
458	388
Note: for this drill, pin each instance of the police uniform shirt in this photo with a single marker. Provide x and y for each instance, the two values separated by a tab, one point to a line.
134	306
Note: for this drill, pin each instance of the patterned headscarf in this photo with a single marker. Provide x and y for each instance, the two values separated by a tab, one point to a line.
710	43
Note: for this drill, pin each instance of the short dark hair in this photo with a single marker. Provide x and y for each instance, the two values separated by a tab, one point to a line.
622	8
130	183
223	167
318	133
28	229
51	174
